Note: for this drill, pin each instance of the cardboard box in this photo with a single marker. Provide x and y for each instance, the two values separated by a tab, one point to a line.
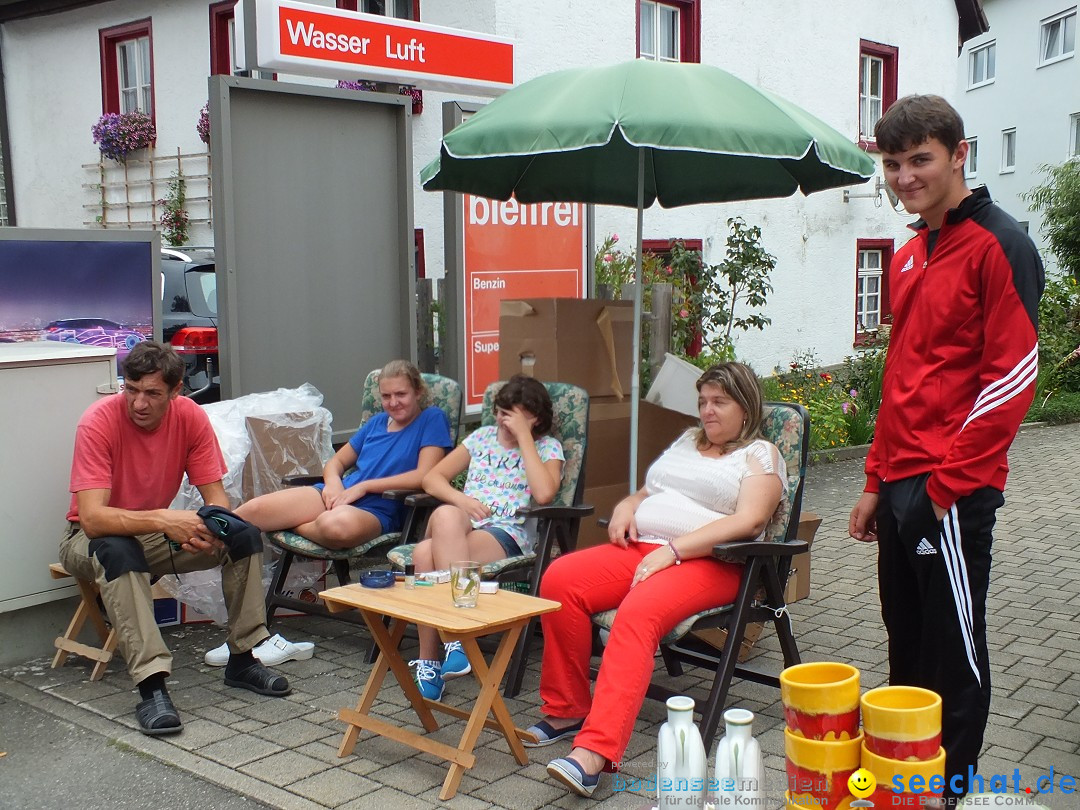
166	606
587	342
607	461
798	584
283	444
717	637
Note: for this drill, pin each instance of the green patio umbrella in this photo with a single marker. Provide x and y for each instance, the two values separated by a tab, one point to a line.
637	132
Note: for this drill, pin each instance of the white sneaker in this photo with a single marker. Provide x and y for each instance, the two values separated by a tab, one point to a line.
275	650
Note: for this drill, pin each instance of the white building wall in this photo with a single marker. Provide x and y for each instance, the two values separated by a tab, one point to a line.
1037	101
53	91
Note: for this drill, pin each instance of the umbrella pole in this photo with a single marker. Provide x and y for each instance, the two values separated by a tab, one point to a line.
635	377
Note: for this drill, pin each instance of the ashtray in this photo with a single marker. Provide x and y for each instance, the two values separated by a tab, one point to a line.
377	579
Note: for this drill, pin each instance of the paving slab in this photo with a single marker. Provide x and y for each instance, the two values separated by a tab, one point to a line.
282	753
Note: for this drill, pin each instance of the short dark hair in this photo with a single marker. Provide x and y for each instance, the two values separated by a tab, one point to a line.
150	356
913	120
531	395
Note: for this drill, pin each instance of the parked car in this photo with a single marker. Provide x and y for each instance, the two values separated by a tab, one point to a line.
96	332
189	318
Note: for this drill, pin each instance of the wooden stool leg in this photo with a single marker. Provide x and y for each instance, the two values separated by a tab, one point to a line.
68	643
73	629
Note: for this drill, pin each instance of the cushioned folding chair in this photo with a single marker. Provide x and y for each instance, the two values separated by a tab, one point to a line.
446	394
556	524
760	598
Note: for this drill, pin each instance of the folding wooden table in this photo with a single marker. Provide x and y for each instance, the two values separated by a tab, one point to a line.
506	613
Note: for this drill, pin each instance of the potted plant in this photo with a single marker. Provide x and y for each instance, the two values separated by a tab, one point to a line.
119	134
202	126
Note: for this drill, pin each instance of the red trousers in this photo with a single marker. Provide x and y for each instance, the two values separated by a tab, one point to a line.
598	579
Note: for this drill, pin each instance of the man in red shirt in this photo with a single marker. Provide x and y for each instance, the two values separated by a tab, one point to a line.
131	453
959	377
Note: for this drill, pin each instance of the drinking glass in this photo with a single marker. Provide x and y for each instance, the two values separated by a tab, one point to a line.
465	583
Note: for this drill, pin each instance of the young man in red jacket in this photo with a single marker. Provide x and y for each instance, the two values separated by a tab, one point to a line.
959	377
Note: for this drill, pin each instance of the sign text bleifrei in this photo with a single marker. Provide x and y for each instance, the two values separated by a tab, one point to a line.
514	250
310	40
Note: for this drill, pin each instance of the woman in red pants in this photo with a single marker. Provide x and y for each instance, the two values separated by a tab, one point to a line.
716	484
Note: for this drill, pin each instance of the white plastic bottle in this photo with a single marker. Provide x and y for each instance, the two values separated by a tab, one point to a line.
740	770
681	763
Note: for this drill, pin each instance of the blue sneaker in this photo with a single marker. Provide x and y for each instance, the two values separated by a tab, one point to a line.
429	678
455	662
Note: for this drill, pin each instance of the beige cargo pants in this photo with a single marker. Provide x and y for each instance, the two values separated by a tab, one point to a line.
130	606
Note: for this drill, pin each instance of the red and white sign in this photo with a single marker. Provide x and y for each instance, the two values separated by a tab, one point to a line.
513	250
332	43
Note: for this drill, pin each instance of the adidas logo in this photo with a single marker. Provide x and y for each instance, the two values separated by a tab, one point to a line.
924	547
908	264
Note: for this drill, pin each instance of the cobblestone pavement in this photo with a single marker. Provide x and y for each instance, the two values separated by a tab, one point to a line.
284	752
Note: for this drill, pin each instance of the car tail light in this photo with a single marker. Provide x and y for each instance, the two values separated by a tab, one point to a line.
195	340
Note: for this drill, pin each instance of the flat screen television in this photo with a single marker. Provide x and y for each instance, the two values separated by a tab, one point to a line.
88	287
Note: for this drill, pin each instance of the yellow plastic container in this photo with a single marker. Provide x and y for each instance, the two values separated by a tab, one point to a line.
821	700
885	771
818	770
902	722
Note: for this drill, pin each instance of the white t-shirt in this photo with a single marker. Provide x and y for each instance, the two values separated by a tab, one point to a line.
688	490
497	479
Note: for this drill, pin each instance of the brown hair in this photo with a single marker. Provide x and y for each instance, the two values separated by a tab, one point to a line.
741	384
531	395
150	356
403	368
913	120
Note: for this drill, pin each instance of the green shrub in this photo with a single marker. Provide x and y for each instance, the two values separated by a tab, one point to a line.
862	376
820	393
1059	409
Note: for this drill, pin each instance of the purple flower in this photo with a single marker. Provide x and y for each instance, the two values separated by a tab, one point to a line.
118	134
844	407
344	84
203	124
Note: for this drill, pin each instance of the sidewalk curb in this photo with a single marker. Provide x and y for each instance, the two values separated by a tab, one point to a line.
156	748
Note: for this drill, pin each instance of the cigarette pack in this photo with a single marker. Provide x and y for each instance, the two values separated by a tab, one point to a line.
434	576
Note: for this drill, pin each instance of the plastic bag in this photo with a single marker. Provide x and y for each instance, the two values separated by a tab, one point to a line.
296	411
291	432
201	590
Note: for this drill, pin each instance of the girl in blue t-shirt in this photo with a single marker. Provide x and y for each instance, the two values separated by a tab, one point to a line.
510	464
394	449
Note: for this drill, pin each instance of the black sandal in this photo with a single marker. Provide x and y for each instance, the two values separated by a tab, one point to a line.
260	680
157	715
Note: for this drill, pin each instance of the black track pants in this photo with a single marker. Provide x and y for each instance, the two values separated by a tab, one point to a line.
933	577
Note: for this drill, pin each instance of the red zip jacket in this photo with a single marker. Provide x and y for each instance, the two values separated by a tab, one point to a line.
963	353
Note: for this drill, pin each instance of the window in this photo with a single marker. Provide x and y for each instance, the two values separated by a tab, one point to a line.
669	30
1058	37
971	167
871	286
127	75
981	65
223	39
1008	150
877	87
1074	135
402	9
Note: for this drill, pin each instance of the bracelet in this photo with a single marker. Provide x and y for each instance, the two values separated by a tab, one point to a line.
674	553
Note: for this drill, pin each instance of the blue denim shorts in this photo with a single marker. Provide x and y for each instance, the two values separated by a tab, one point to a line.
508	543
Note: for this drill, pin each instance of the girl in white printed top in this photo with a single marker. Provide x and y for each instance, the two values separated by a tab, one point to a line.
509	465
716	484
